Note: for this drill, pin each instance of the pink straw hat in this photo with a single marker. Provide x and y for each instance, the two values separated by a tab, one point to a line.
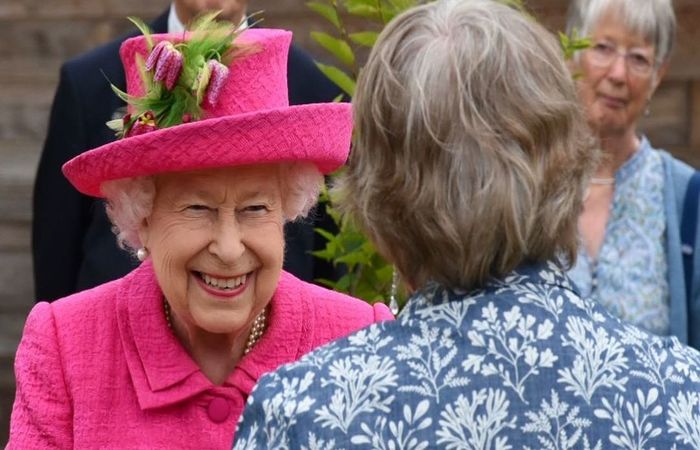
249	122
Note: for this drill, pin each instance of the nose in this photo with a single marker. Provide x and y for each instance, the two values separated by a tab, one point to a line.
227	239
618	68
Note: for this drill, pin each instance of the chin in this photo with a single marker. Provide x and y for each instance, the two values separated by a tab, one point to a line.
606	124
218	327
217	323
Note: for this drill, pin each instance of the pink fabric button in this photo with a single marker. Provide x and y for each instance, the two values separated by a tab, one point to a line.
219	410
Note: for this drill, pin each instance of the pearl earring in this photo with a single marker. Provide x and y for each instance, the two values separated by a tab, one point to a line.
142	254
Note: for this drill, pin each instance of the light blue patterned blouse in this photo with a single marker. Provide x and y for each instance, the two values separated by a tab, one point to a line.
630	277
525	363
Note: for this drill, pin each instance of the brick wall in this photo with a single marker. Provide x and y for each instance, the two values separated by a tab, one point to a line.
36	36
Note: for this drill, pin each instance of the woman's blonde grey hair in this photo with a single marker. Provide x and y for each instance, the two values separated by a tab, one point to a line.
471	150
130	200
654	20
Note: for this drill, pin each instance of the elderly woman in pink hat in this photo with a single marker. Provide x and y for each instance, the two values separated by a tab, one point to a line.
212	163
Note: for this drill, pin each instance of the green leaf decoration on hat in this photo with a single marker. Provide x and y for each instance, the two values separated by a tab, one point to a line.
180	79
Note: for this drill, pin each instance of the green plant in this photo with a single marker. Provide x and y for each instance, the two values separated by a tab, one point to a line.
368	275
344	45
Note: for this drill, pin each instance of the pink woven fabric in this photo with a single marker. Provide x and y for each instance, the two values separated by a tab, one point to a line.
100	369
252	123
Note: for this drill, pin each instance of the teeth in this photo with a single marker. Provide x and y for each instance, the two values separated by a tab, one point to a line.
224	283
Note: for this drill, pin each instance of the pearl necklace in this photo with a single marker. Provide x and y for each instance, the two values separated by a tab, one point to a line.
603	181
256	330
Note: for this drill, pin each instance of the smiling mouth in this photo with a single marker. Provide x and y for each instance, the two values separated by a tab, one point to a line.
224	284
613	100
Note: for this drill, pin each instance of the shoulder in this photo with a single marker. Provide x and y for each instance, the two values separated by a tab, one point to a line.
97	57
675	166
677	176
328	315
675	170
70	322
338	311
96	68
299	400
74	321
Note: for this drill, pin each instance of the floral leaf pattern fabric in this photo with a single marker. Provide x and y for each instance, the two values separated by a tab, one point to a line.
524	363
630	276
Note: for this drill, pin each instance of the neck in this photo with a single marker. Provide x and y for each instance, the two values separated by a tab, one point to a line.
617	149
215	354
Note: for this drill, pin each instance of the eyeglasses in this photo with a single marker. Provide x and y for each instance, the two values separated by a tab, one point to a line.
603	54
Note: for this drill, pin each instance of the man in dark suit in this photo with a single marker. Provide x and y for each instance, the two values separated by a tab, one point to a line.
72	242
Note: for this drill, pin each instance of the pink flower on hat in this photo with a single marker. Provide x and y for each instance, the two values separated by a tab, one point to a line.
217	78
167	61
145	123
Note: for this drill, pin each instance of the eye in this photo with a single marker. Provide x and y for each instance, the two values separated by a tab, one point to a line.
603	48
639	60
257	208
197	208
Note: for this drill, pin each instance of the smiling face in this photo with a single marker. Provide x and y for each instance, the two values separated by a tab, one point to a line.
615	96
217	245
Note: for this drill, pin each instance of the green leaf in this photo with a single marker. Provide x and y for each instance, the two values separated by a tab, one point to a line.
363	8
353	258
324	255
338	47
327	11
344	283
571	44
364	38
403	5
325	233
116	125
251	20
144	29
119	93
340	78
326	282
332	212
201	82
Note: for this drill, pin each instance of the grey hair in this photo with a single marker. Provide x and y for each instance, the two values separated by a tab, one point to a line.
130	200
471	150
652	19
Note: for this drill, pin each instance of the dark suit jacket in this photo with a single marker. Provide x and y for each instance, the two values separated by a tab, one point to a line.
72	243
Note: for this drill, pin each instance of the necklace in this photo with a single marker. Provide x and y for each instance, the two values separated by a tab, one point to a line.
603	181
256	330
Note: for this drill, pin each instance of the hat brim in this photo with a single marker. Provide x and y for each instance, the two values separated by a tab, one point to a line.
317	133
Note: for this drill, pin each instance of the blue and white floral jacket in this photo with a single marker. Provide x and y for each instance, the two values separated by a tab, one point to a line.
524	363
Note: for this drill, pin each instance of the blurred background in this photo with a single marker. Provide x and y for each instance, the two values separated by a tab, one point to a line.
37	36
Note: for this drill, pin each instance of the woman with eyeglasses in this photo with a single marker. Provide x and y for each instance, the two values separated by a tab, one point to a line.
630	257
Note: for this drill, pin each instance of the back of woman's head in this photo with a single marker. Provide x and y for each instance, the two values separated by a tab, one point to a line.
652	19
470	149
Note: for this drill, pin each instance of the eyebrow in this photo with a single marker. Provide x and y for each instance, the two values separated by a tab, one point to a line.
247	195
241	195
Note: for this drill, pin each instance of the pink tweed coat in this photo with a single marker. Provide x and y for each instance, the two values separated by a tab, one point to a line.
100	369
